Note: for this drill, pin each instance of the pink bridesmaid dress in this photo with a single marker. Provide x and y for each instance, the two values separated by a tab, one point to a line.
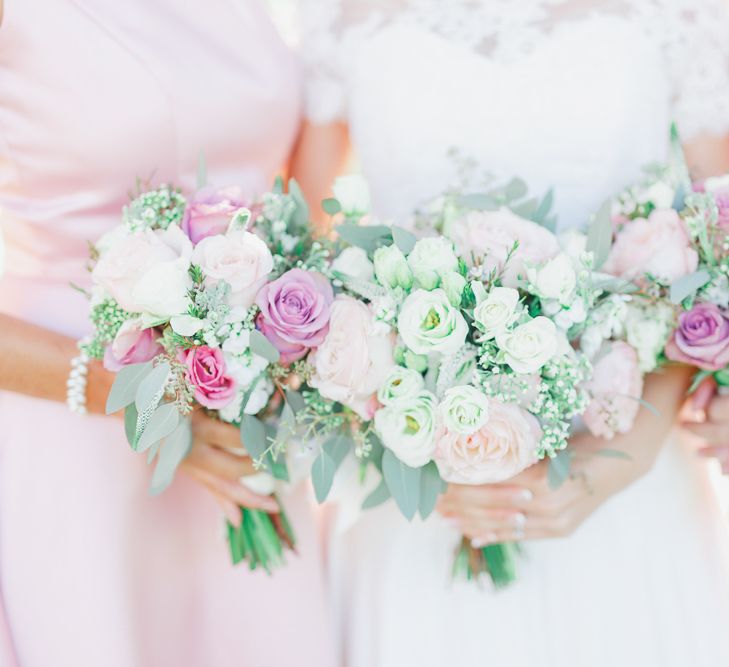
93	572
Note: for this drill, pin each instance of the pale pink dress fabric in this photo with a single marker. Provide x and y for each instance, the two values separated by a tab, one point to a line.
93	95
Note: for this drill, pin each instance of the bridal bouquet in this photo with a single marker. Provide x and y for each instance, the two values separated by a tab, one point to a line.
194	305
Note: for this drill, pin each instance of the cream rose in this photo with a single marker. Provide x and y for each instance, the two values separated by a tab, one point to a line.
355	358
529	346
463	409
430	259
407	427
497	311
162	292
504	445
429	323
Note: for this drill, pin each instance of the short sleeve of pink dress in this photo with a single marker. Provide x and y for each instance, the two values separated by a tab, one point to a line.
95	94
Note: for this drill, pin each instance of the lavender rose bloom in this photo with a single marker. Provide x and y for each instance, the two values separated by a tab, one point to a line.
702	338
295	312
209	212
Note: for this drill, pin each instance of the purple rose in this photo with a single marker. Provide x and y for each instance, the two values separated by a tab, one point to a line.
702	338
210	211
206	372
132	345
295	311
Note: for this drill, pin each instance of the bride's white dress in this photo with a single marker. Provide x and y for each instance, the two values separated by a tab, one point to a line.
572	94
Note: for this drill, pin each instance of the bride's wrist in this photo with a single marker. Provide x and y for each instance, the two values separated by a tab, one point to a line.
98	387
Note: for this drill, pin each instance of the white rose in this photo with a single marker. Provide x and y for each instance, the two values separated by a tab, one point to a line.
354	359
353	261
430	259
239	258
391	268
428	323
555	279
497	311
529	346
352	193
464	409
407	427
162	291
401	383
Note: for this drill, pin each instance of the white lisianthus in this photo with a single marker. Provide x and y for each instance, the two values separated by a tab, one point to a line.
238	342
453	284
647	332
431	259
353	261
162	291
429	323
401	383
407	428
391	268
529	346
497	311
464	409
660	194
256	402
554	279
352	193
244	368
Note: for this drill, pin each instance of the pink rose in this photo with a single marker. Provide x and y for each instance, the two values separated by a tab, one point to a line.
504	446
206	372
658	245
490	235
132	345
210	211
615	387
354	359
702	338
295	312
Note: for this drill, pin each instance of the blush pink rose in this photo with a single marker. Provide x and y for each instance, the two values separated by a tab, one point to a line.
354	359
295	312
490	235
504	446
206	372
132	345
658	245
616	387
702	338
210	211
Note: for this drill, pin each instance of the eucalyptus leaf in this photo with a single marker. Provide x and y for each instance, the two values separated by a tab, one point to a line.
174	449
600	234
338	446
526	209
545	206
558	469
153	451
478	201
331	206
679	199
261	346
301	215
163	421
697	380
376	449
404	239
516	188
403	482
368	238
687	285
295	400
249	393
253	436
377	497
130	423
322	475
431	486
151	387
125	386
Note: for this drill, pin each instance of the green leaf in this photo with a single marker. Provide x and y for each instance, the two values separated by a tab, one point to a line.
478	201
125	386
151	387
614	454
301	214
431	486
376	449
404	239
322	475
526	209
163	421
130	423
516	188
545	206
295	400
253	436
687	285
722	377
403	483
338	446
559	468
331	206
261	346
368	238
697	380
153	451
377	497
174	449
600	234
202	171
278	186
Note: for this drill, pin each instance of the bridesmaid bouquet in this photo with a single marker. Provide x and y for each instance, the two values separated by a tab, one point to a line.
196	304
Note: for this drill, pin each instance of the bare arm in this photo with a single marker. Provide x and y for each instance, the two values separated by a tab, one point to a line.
708	155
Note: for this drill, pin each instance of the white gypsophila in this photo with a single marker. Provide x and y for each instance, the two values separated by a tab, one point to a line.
256	402
244	368
605	322
554	279
717	291
429	323
353	194
391	268
497	311
647	330
529	346
430	259
463	409
237	342
407	428
353	261
384	308
401	383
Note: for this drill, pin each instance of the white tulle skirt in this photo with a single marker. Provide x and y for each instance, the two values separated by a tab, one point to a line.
643	583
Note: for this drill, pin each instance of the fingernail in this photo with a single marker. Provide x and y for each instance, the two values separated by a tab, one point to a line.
525	494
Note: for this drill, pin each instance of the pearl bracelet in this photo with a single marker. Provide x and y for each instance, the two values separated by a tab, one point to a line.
77	381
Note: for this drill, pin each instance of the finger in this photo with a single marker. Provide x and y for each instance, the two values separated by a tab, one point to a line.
219	462
488	518
714	433
487	495
487	531
217	432
234	491
533	529
719	409
230	509
703	394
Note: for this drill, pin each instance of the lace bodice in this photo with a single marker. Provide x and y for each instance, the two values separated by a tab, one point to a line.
572	94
